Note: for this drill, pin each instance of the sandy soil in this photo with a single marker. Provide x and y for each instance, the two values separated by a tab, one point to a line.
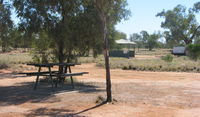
138	94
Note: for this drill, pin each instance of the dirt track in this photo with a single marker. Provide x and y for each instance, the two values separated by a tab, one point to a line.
139	94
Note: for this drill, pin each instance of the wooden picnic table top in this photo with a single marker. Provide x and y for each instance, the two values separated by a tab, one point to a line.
53	64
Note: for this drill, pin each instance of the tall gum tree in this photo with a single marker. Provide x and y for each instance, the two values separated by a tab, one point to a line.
181	23
59	18
110	12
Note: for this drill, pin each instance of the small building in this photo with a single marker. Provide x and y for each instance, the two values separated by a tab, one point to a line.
179	50
127	53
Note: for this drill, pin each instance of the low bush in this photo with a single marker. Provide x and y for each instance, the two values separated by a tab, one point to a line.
194	51
168	58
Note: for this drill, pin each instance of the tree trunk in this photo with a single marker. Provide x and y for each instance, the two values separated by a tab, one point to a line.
103	16
60	57
106	56
187	42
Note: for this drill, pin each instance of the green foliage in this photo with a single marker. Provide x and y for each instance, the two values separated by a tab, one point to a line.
194	51
120	35
16	38
41	52
168	58
6	25
73	26
146	40
182	25
196	7
152	42
137	38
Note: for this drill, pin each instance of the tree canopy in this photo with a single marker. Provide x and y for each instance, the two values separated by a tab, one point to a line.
196	7
181	24
73	25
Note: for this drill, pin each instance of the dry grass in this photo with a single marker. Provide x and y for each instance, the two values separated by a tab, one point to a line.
153	52
179	64
89	59
15	58
151	61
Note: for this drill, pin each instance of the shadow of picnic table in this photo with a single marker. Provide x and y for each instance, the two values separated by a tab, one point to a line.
7	75
23	92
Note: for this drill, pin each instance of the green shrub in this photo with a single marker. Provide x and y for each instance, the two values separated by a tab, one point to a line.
194	51
168	58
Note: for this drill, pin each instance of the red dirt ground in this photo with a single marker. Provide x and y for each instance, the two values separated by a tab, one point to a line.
138	94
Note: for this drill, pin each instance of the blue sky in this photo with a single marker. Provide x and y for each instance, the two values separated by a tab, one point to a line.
143	14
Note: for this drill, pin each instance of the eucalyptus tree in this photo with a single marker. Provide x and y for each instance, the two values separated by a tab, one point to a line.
120	35
56	18
88	29
149	41
110	12
152	42
181	23
137	38
144	37
17	40
170	42
73	25
196	9
6	24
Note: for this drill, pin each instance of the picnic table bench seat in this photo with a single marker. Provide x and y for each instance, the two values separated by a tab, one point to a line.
54	73
37	73
74	74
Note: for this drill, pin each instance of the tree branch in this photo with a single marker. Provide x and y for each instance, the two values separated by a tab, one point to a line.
194	34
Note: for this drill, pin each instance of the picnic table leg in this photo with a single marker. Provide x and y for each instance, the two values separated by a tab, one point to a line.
56	83
50	75
58	78
37	78
63	78
72	81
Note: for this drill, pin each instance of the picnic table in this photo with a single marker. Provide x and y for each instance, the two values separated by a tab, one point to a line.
60	74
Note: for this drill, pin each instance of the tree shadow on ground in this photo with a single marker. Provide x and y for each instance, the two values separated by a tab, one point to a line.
23	92
88	109
8	76
52	113
60	112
